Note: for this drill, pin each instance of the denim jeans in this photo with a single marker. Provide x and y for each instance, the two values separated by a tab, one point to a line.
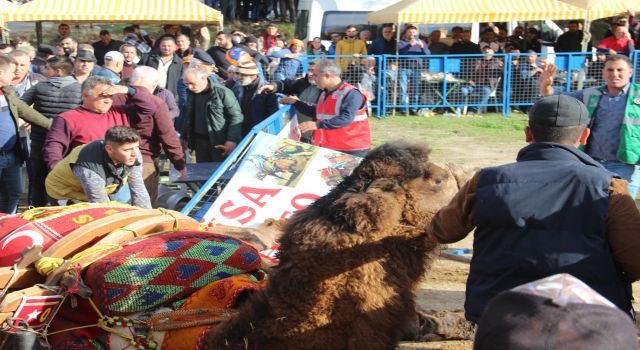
480	94
626	171
409	78
10	182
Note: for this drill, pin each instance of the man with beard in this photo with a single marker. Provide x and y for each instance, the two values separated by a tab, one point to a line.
255	107
167	63
350	45
219	52
570	41
386	45
83	65
104	45
69	46
306	90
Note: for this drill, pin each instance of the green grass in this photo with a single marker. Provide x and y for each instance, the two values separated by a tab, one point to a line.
490	139
416	128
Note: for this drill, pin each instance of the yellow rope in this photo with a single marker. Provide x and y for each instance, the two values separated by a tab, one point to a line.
45	265
103	323
176	222
135	234
43	212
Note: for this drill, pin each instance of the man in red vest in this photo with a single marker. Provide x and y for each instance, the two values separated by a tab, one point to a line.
340	116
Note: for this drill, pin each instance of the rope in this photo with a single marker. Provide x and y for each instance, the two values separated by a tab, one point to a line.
166	321
43	212
46	265
135	234
176	222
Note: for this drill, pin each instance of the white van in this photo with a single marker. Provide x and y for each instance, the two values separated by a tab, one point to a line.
320	18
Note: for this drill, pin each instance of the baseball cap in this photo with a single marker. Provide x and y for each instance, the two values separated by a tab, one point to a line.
203	56
558	111
84	55
560	312
113	56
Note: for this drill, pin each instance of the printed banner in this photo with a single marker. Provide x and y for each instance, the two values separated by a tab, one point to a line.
36	311
277	177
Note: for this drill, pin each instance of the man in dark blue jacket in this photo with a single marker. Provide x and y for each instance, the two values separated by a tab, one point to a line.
387	44
255	107
556	210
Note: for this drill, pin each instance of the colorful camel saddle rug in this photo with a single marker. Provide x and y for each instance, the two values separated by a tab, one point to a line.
45	226
160	270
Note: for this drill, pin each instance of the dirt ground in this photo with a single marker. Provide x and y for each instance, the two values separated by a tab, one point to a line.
444	285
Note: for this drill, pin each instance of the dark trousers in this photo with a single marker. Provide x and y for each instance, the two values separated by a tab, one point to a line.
288	5
205	151
228	9
36	185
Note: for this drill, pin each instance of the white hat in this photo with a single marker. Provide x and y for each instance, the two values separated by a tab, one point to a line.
113	56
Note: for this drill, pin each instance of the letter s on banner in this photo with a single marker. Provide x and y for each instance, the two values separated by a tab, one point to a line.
255	195
232	213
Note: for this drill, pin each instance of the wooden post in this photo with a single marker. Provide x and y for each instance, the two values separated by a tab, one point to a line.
39	32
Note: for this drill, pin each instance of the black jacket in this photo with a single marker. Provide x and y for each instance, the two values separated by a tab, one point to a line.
543	215
219	57
52	97
255	107
173	75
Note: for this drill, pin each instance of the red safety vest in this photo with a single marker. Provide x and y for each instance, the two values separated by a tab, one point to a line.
353	137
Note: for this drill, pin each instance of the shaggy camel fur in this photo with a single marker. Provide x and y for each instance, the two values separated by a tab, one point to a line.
350	262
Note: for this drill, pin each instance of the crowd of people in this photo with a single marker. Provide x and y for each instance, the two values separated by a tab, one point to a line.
76	107
91	121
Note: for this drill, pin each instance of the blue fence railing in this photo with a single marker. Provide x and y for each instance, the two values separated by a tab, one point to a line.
464	83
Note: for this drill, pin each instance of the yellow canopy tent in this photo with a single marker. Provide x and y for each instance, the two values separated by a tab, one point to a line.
111	11
468	11
604	8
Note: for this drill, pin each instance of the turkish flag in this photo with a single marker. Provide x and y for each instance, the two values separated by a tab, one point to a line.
36	311
29	235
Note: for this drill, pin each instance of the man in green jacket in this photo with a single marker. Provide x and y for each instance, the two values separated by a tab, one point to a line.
614	110
213	123
11	153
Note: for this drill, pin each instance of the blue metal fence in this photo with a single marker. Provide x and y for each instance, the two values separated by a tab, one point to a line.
467	83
